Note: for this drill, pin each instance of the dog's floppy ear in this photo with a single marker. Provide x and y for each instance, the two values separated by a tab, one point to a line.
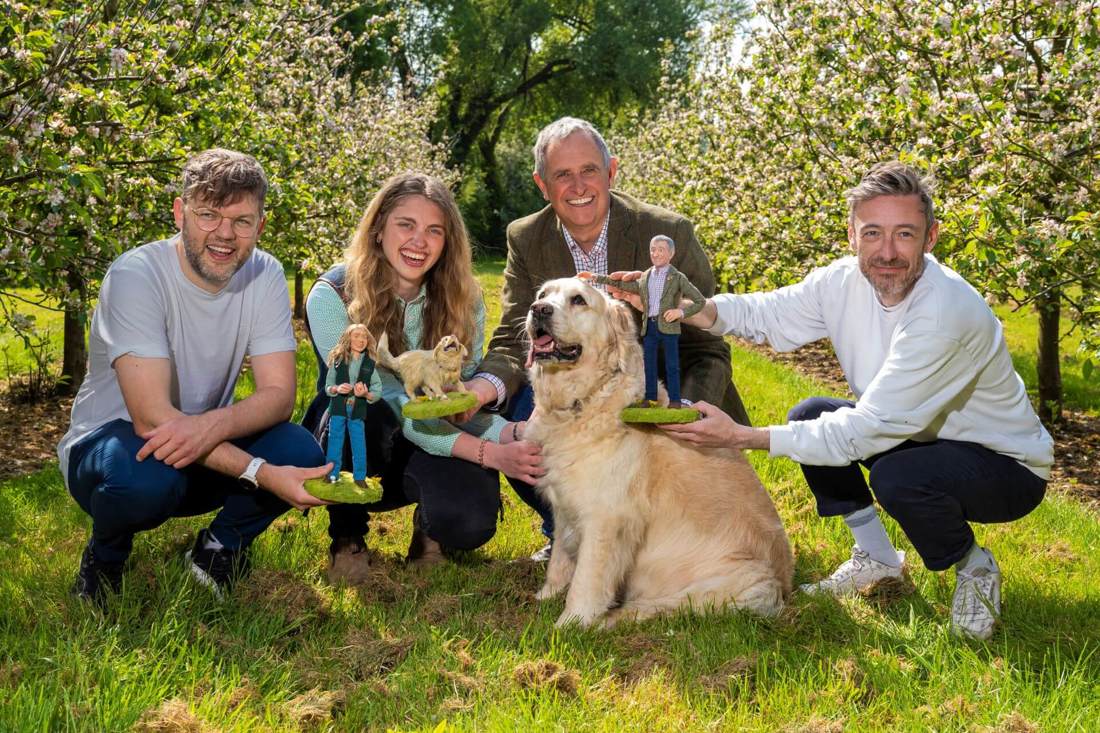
465	351
626	334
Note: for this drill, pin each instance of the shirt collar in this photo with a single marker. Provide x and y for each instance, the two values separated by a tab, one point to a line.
601	241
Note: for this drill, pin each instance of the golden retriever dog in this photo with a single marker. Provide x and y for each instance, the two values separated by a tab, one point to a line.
644	524
427	370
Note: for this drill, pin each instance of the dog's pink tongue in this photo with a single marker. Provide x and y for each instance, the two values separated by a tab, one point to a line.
542	343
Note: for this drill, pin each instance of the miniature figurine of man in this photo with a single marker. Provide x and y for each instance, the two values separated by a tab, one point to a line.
660	289
350	372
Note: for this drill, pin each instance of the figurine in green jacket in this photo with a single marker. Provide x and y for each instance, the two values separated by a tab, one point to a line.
351	372
661	288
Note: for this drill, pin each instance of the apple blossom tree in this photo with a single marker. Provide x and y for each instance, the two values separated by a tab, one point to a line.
999	100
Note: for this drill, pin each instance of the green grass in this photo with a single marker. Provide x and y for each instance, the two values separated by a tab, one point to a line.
444	649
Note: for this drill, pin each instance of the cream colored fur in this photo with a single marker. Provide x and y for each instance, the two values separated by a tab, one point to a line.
427	370
644	524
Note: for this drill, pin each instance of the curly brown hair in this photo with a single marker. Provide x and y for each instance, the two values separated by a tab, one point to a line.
452	290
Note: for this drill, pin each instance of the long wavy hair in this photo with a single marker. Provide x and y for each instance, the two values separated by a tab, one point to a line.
341	352
452	290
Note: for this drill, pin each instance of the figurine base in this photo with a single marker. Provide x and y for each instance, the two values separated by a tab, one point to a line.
658	415
452	404
345	490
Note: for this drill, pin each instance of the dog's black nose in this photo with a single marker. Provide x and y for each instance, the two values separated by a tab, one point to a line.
543	310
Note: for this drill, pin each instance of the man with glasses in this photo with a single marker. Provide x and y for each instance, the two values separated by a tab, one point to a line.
155	432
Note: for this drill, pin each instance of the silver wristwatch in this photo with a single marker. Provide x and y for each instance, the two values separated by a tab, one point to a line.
248	478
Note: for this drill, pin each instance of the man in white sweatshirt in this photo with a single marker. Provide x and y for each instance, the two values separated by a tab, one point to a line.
941	419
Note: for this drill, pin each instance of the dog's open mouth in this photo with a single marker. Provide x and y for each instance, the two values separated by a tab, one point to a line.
544	347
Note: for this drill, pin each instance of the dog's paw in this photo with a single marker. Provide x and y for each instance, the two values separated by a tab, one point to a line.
546	592
584	619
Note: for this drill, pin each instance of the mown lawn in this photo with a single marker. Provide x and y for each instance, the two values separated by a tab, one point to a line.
465	646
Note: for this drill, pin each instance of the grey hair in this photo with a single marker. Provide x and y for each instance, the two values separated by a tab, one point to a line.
893	178
560	129
666	239
220	177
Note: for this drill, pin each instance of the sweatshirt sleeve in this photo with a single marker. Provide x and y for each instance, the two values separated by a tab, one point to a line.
923	375
785	318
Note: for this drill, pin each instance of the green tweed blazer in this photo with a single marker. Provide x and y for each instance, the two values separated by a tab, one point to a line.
537	252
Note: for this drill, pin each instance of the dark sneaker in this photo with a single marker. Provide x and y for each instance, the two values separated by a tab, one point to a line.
349	561
218	570
543	553
95	578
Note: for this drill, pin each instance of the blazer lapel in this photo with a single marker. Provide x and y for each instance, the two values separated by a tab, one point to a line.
621	247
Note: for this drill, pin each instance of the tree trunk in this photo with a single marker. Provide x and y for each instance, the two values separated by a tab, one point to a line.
1049	366
74	363
299	294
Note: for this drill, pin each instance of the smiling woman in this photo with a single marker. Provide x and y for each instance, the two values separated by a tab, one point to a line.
409	277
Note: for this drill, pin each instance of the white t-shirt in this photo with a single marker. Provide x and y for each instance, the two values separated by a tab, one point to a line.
148	308
934	366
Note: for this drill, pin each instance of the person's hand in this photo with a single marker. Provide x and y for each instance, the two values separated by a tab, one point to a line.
182	440
343	388
361	390
371	396
673	314
625	276
520	460
705	318
716	429
287	483
485	392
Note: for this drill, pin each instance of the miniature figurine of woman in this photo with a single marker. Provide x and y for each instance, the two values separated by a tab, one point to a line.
351	370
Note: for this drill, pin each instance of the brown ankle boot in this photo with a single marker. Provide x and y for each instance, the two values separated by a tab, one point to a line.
423	550
349	561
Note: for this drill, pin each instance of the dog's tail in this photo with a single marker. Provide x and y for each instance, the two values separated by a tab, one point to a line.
385	359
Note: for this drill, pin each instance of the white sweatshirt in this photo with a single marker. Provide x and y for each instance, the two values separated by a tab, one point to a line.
933	366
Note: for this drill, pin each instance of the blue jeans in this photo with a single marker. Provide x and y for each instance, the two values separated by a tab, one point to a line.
357	437
670	342
124	496
932	489
520	408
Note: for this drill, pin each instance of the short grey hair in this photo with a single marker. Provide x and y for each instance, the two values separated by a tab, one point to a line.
666	239
894	178
560	129
220	177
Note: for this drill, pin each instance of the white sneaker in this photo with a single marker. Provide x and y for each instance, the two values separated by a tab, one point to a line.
859	574
976	607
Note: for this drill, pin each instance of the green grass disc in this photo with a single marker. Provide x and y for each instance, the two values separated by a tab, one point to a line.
345	490
658	415
452	404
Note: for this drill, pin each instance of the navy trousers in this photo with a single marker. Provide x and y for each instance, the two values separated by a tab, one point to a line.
670	344
124	496
932	489
520	408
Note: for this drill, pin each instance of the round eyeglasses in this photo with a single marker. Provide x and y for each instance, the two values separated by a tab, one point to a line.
209	220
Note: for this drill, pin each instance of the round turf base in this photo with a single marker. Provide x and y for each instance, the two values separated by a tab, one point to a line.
452	404
658	415
345	490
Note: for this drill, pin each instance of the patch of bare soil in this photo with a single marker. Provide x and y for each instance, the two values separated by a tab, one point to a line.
1076	437
30	432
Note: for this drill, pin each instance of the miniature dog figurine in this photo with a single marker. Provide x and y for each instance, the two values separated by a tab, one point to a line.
426	370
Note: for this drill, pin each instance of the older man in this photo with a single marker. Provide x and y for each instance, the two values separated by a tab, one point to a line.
155	432
589	227
941	419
